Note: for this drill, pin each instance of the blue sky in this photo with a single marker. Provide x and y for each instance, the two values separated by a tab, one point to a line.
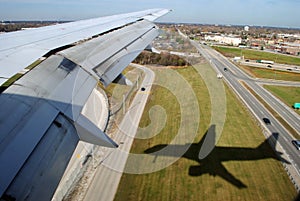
283	13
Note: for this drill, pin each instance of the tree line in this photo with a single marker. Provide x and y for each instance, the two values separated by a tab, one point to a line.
16	26
164	59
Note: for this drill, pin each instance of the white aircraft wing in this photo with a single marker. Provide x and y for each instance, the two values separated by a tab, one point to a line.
19	49
42	114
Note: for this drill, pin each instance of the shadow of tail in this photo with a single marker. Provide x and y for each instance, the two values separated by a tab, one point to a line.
272	141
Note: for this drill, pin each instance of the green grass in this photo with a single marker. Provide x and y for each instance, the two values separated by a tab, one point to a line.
265	179
271	74
170	129
258	55
161	95
289	95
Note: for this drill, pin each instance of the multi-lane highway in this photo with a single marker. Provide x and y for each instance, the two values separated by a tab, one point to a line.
235	79
275	66
290	116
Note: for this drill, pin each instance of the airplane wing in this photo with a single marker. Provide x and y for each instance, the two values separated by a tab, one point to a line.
42	114
20	49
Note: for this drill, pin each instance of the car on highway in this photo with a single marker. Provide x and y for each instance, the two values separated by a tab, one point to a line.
267	121
225	69
269	66
296	143
143	89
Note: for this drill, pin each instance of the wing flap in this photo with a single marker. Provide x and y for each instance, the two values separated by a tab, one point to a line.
15	150
90	133
106	57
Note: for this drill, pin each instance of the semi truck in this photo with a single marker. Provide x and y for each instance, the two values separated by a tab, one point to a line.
265	61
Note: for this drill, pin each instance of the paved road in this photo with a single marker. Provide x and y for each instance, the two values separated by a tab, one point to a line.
277	82
275	66
233	77
106	180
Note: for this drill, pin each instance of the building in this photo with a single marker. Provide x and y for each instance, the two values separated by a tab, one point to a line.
290	50
228	40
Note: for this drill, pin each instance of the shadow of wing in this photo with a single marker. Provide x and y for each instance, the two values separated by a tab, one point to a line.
220	170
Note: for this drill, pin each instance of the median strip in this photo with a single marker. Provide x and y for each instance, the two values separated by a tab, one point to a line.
273	112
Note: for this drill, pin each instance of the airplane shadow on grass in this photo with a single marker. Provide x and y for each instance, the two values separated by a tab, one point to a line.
212	164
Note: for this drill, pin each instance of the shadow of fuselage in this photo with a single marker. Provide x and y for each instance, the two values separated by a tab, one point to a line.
212	163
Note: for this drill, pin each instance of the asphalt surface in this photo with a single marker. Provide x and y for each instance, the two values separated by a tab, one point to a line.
275	66
107	177
233	76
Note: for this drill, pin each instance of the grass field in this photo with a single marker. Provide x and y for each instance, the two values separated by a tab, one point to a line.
271	74
263	179
258	55
289	95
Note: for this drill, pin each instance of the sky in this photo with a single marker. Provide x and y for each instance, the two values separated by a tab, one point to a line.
278	13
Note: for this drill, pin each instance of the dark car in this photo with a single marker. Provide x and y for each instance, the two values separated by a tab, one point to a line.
143	89
267	121
296	143
225	69
269	66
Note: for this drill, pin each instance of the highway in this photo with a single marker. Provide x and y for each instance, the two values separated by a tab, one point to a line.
284	111
107	177
234	77
275	66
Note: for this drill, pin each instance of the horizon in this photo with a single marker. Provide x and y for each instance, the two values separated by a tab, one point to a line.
266	13
177	23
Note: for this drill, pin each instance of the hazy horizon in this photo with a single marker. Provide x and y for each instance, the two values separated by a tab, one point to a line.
269	13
